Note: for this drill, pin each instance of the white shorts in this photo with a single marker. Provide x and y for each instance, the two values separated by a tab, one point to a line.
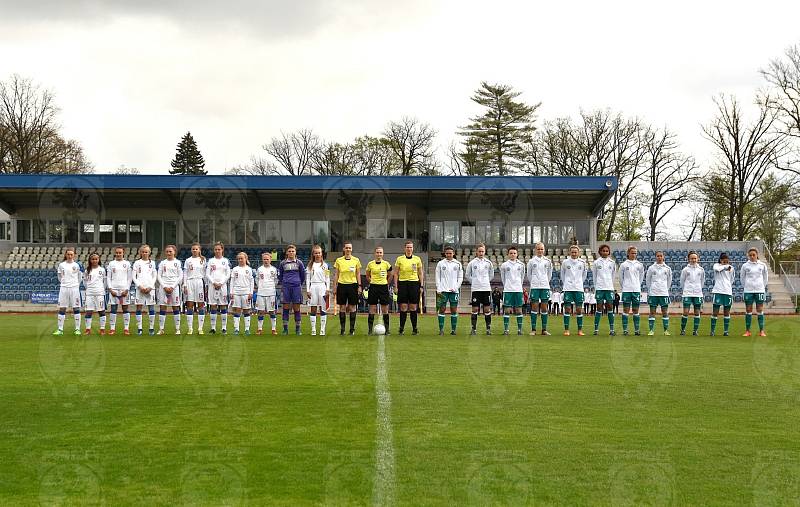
318	294
218	296
95	303
118	300
173	299
69	297
194	290
140	298
266	303
243	302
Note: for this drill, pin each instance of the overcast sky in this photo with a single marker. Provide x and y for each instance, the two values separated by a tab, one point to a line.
132	77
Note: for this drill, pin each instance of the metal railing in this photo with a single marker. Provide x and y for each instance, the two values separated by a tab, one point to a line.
790	267
777	268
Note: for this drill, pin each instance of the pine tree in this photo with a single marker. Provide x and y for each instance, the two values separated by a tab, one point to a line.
500	135
188	159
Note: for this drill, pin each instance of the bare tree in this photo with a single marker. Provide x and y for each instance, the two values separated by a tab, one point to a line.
670	178
783	74
29	138
465	160
746	152
257	166
373	156
125	170
294	153
334	159
411	141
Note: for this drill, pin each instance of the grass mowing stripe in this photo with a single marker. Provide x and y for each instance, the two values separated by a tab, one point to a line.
384	460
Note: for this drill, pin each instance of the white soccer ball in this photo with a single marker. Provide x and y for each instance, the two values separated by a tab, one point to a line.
379	329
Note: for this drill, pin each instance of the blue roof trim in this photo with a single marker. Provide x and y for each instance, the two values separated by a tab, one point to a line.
442	183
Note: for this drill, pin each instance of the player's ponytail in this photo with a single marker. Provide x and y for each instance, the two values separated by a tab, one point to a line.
246	258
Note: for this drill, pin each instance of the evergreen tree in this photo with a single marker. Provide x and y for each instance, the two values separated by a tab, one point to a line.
188	159
500	135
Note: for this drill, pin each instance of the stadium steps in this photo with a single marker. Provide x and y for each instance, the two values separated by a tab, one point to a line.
781	297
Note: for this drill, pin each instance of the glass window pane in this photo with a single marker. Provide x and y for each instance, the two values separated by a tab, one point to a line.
24	231
135	232
70	231
106	232
120	231
467	234
272	231
238	231
376	228
321	234
551	233
451	230
582	232
189	233
255	231
154	234
397	228
287	231
170	232
536	234
205	232
87	232
303	232
437	237
567	233
222	231
55	231
40	231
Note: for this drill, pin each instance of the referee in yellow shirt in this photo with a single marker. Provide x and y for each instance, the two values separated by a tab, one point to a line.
378	272
347	287
408	280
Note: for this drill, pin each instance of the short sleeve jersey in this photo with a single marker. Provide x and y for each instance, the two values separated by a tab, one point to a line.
347	269
379	272
407	268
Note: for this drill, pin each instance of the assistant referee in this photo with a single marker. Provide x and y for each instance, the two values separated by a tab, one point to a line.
408	280
347	286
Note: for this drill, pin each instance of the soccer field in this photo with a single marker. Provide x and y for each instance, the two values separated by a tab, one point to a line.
411	420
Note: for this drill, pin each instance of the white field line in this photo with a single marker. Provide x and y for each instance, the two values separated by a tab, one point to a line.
383	488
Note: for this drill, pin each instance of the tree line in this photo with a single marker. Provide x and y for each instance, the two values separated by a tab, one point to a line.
748	190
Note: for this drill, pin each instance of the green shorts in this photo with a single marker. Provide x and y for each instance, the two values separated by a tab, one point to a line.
631	298
512	299
723	300
661	301
604	296
537	295
754	297
695	301
447	297
573	296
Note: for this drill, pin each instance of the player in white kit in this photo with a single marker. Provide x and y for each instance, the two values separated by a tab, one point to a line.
69	294
94	279
573	276
170	278
218	272
479	273
512	274
692	278
119	276
318	286
242	287
755	277
604	270
540	272
267	280
194	290
145	276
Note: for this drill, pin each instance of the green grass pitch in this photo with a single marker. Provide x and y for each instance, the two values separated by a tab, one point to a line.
411	420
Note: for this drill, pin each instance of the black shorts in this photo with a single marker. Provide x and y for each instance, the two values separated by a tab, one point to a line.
481	297
378	295
407	292
347	294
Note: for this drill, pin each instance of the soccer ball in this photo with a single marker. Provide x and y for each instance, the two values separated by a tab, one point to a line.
379	329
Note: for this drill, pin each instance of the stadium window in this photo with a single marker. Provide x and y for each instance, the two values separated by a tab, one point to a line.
170	232
551	233
397	228
189	231
5	231
287	231
467	234
239	230
135	235
154	233
483	232
582	232
205	232
498	233
272	231
436	235
255	230
222	231
87	232
450	232
55	231
120	231
303	232
106	232
321	233
24	231
40	231
536	234
567	230
376	228
519	233
70	231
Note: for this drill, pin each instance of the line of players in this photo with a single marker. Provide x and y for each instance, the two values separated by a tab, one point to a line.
190	281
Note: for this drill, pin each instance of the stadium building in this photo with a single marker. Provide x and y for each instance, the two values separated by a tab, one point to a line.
258	213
